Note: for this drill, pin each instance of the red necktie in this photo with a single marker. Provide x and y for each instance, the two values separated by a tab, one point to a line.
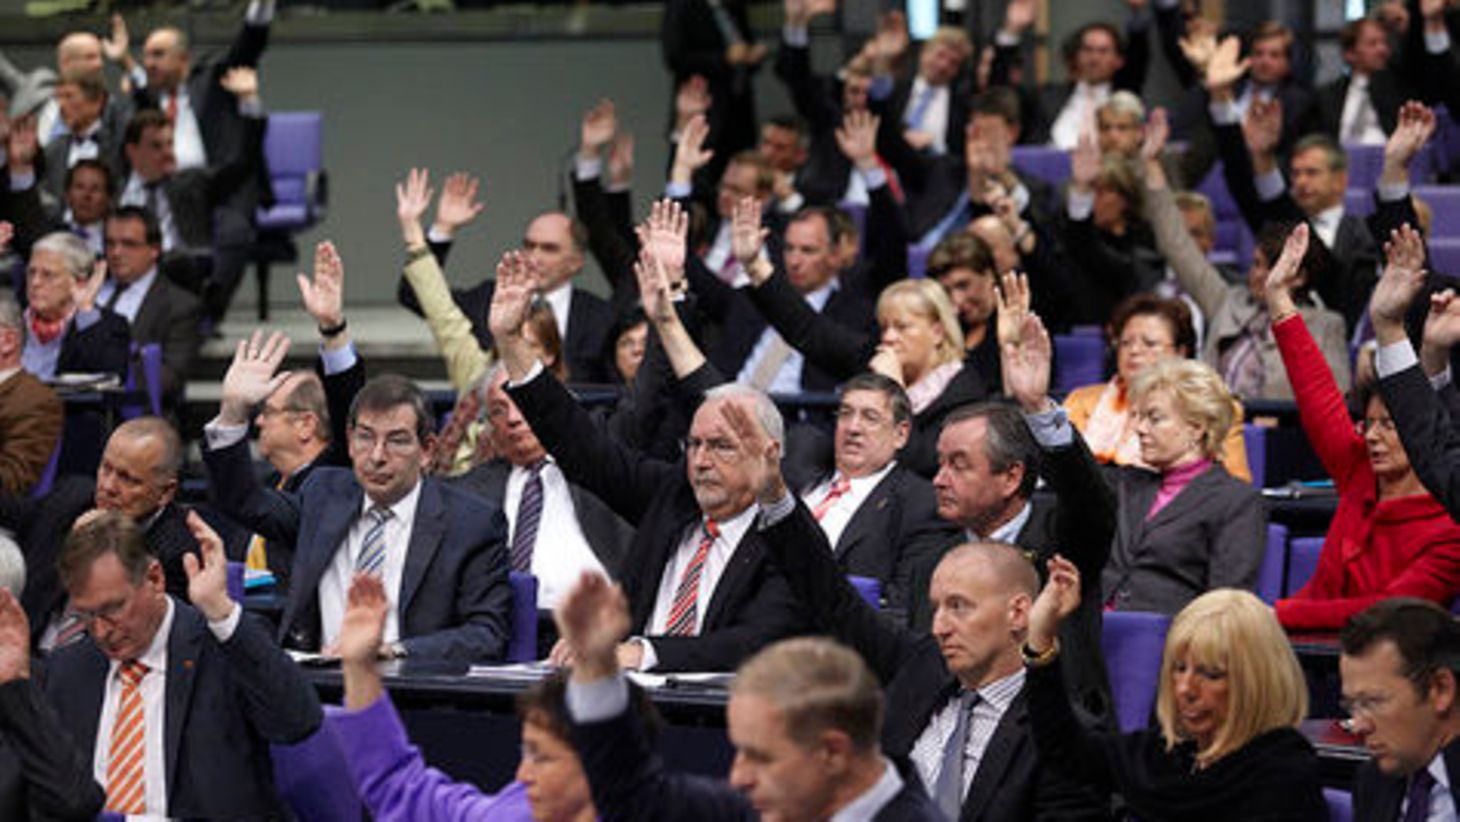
683	612
838	488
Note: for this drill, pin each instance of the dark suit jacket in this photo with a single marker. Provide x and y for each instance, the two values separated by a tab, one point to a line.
750	606
193	194
170	316
1010	784
42	769
591	321
109	150
693	43
169	539
225	702
606	532
99	348
628	780
454	598
1426	425
25	211
1325	114
1377	797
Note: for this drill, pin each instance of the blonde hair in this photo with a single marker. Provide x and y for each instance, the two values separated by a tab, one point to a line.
954	37
1198	393
927	299
1234	632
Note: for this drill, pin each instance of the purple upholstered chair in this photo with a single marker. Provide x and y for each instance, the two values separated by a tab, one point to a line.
1445	255
1049	164
1303	555
1254	439
1079	359
1340	804
146	359
1133	642
870	588
1445	202
294	148
522	646
1269	586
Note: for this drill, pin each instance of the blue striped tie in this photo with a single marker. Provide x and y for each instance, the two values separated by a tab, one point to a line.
372	548
529	516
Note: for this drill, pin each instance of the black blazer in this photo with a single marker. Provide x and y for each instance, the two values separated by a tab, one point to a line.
629	781
454	603
751	605
606	532
170	315
1426	425
1051	98
1377	796
225	702
591	321
169	539
42	769
100	348
1010	783
1325	114
108	140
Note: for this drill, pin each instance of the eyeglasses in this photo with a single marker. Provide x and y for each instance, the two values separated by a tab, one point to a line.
397	443
721	449
1364	704
106	613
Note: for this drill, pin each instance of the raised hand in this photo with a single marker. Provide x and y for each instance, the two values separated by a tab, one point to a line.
252	376
517	284
1056	601
621	160
664	235
591	619
1262	128
692	98
654	290
1198	46
7	233
600	123
14	639
857	138
1441	332
885	362
747	237
83	292
22	144
1019	15
891	38
458	205
1401	282
1416	126
412	198
1084	162
758	453
1012	299
1026	365
1225	68
324	296
691	155
1282	277
364	622
242	82
116	47
1157	132
207	571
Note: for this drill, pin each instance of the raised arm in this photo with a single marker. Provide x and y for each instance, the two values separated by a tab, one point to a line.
660	273
1197	276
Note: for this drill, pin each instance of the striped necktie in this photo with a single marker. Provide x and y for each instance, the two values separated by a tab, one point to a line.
126	772
685	609
529	516
839	487
372	547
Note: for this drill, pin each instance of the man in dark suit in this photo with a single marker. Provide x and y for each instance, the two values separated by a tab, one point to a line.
158	310
702	593
42	770
1362	106
93	129
557	243
438	550
710	42
211	131
804	715
179	701
1400	667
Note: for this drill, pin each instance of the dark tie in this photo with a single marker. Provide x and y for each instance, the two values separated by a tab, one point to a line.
949	790
117	288
1417	798
152	195
529	516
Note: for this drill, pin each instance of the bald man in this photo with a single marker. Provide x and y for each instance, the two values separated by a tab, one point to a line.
556	243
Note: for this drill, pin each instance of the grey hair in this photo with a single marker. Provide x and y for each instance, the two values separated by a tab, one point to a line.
1125	102
12	565
10	313
765	410
73	250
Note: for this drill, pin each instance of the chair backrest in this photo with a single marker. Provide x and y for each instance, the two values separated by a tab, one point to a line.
1444	201
1214	186
1133	642
1269	586
1358	202
1049	164
48	474
1254	439
917	261
1445	255
1303	555
522	644
294	147
314	778
146	359
236	575
870	588
1365	163
1079	359
1340	805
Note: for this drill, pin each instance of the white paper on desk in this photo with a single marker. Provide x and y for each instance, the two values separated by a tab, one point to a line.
311	658
694	679
524	671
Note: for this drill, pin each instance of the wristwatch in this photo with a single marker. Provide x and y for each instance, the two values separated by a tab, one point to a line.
1039	659
394	650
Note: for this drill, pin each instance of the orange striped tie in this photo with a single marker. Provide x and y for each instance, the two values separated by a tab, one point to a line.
126	782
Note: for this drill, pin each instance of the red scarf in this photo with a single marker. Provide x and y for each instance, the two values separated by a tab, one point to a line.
45	331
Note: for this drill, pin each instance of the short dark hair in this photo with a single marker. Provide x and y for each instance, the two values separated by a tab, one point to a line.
842	224
999	101
150	228
390	391
794	123
1008	441
90	84
546	704
143	120
1269	30
109	181
827	215
960	250
105	532
1175	312
1071	45
1337	157
887	387
1348	36
1426	636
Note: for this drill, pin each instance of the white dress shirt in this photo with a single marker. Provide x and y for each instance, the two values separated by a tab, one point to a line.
187	137
835	520
1359	122
84	147
1078	114
561	300
788	378
153	689
1008	533
1325	224
874	799
731	532
134	193
934	121
131	300
994	700
1442	802
334	585
561	553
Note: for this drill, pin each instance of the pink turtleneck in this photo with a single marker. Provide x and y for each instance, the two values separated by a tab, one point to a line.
1173	481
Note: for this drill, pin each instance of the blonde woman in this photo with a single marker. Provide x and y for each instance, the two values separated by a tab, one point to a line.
1228	704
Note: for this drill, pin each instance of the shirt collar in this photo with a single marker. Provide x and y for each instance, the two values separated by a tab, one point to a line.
733	529
867	483
874	799
817	299
155	657
7	373
1438	770
1001	692
403	509
1009	531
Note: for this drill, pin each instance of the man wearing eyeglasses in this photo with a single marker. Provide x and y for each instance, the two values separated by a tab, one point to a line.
702	595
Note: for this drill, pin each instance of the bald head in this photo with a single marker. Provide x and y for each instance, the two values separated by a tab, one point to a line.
1006	565
165	57
79	52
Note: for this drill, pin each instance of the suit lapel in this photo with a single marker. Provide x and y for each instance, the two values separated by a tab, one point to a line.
338	513
183	650
1008	737
739	571
426	534
870	517
86	701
